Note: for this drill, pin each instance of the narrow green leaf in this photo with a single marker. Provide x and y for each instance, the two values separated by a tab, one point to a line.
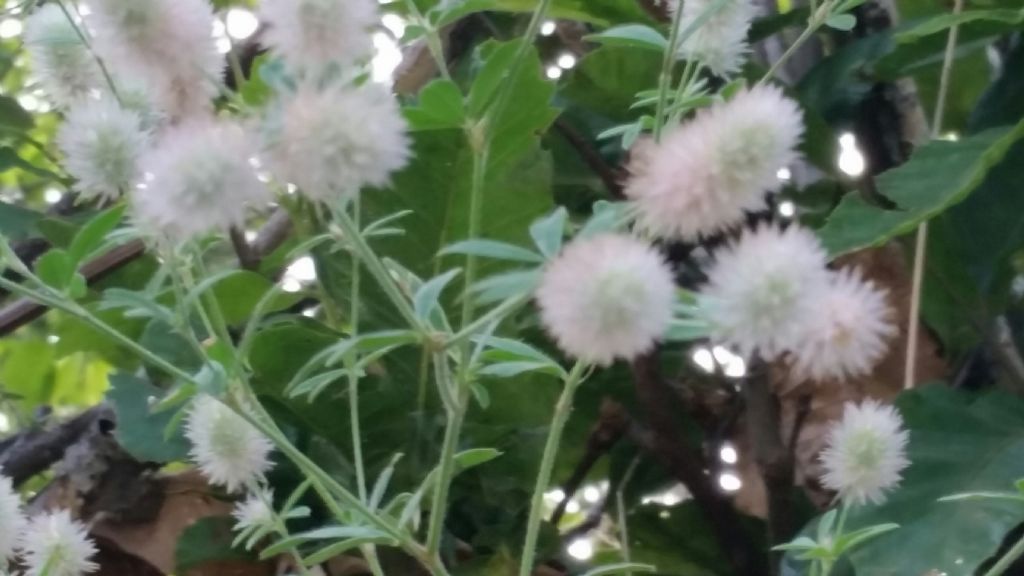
510	369
328	552
325	533
633	35
844	22
620	568
428	296
549	231
493	249
504	286
381	485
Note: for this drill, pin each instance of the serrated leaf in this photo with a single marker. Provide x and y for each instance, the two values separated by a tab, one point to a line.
440	107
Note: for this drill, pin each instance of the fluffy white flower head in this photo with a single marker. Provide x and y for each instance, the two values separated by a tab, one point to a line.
312	34
228	450
866	452
102	145
55	545
335	141
198	179
66	69
720	43
706	173
166	43
255	511
762	289
607	297
848	333
12	520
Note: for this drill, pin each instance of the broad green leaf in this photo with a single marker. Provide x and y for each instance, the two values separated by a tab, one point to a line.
17	222
55	268
94	232
939	175
12	116
621	569
238	292
208	540
631	35
983	452
440	106
139	430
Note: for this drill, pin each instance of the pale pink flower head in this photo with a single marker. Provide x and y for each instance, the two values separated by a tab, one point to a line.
12	520
229	450
255	511
67	71
866	453
606	297
310	35
198	178
331	142
849	332
720	43
102	145
707	173
167	45
762	290
54	544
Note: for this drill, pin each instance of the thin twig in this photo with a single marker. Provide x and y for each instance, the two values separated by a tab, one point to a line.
920	252
585	148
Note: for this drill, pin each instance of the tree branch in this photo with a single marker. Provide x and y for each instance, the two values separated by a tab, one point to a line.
24	455
687	464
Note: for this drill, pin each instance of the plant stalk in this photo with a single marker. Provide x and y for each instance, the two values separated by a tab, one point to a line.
558	421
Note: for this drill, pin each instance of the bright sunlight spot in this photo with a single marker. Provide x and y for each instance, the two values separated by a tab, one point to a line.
581	549
554	72
241	23
730	482
566	61
787	209
548	28
851	160
702	357
728	454
388	57
10	28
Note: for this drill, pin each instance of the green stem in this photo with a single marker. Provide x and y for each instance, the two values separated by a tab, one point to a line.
496	313
665	77
1007	560
84	315
812	27
377	269
562	411
456	410
620	512
88	45
433	39
353	377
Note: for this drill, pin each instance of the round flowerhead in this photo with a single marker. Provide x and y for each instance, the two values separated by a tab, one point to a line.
102	144
197	179
67	71
762	290
720	42
12	520
606	297
849	332
866	452
313	34
228	450
706	173
55	545
168	44
334	141
255	511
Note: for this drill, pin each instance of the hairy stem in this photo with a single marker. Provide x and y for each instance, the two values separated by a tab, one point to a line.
665	77
547	463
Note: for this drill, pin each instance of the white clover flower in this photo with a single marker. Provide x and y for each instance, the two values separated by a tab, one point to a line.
706	173
607	297
55	545
102	144
255	511
335	141
12	520
198	179
313	34
168	44
866	452
229	451
720	43
762	289
849	331
67	71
